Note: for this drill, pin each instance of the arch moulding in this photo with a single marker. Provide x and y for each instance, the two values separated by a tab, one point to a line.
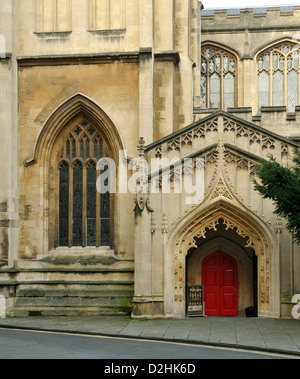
53	131
77	104
184	237
273	43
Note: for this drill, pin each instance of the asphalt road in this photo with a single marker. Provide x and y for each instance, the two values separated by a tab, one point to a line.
17	344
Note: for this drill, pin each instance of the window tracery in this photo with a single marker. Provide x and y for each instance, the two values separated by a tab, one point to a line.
218	78
84	213
278	76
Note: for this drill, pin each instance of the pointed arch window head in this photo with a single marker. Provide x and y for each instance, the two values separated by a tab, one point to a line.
218	78
84	213
279	76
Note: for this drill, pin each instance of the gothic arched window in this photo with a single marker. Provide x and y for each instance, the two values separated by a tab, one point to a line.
278	76
84	213
218	78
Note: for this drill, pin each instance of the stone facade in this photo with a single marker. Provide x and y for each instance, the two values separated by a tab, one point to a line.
129	71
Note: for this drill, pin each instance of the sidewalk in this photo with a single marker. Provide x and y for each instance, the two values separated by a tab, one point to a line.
272	335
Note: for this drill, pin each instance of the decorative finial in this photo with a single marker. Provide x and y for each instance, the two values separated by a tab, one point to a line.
141	147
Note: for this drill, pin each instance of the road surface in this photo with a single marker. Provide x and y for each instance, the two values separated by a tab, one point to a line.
19	344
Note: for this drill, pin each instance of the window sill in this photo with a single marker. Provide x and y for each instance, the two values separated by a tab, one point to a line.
206	110
86	251
108	32
53	35
239	110
273	109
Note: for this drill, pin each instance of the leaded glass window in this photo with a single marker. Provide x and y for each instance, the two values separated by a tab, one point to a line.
264	89
229	84
215	91
278	76
293	90
84	213
218	78
278	88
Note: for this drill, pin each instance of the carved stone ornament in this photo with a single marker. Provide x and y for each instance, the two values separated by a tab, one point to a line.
199	131
164	224
141	203
153	224
141	147
242	131
149	206
221	191
234	219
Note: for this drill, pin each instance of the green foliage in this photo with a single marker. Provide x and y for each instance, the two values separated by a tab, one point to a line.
282	185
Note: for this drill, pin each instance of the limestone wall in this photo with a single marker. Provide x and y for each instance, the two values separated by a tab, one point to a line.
9	135
246	32
126	57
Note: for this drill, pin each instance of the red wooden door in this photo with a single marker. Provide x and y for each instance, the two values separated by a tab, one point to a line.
219	277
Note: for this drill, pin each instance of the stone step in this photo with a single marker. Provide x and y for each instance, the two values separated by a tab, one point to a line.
67	299
84	304
76	261
60	275
61	311
105	301
71	285
113	289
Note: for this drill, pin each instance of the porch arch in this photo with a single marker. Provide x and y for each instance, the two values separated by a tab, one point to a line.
256	234
231	245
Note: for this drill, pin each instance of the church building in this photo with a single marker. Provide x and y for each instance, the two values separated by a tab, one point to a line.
131	131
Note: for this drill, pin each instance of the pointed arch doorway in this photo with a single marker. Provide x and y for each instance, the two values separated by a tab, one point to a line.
220	280
192	242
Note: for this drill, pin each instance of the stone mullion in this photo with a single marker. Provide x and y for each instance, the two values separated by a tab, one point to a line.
208	86
271	80
70	226
84	206
222	74
98	216
285	85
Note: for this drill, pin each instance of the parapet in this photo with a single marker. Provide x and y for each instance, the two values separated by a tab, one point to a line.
251	16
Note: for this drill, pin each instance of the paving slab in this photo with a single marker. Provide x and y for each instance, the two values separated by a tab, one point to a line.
267	334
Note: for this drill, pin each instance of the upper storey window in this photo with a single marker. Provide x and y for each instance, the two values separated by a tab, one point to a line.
106	15
278	76
52	16
218	78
